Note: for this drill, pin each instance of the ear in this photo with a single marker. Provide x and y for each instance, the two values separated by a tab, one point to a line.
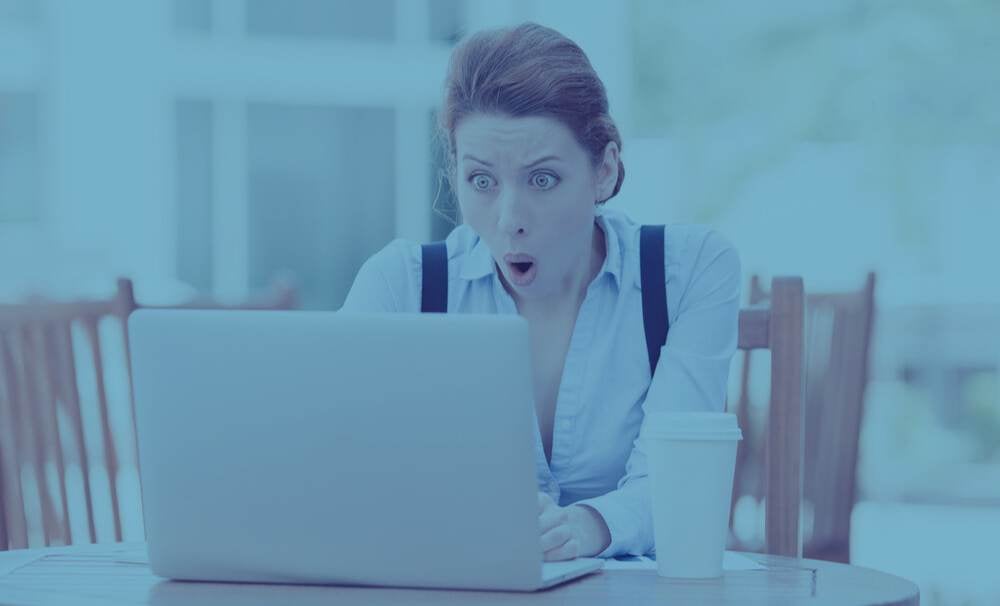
606	174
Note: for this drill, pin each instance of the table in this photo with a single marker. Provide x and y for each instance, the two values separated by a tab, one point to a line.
116	573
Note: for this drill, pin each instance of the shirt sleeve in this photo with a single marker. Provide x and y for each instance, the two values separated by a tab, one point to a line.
387	280
692	374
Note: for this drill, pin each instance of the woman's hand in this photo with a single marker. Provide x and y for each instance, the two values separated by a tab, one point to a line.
570	532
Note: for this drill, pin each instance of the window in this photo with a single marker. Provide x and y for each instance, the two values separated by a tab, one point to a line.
20	162
446	19
368	20
322	180
194	151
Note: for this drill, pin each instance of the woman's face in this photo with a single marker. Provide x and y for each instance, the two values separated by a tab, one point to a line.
529	190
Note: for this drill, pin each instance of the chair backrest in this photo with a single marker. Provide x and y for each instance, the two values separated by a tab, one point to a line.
838	337
777	325
67	417
52	379
838	329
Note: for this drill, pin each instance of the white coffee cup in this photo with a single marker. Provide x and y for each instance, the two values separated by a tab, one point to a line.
691	458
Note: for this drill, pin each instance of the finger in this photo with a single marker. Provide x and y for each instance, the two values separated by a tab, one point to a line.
567	551
544	501
557	537
551	518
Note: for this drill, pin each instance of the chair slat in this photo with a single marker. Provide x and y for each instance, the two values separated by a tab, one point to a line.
49	395
783	457
33	430
4	541
66	378
12	444
90	325
755	331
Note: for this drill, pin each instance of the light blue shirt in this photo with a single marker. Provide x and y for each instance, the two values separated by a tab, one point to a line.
606	389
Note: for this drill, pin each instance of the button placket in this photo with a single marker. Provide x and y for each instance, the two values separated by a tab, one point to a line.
568	399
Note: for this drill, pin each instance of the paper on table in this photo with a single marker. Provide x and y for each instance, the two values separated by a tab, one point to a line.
735	561
731	561
134	555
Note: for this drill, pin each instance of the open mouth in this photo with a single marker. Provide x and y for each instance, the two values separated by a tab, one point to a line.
521	268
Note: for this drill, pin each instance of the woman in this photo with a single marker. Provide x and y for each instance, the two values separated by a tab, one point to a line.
533	158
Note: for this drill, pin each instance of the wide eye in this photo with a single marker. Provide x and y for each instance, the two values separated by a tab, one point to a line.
481	181
544	181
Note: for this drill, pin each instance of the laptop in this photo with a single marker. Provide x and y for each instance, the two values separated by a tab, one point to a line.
335	448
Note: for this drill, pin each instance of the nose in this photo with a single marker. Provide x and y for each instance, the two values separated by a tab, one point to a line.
511	220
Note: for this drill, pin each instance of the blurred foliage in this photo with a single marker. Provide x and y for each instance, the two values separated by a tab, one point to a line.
981	398
902	438
898	76
920	71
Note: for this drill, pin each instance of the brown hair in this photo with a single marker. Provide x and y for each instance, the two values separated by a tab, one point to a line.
528	70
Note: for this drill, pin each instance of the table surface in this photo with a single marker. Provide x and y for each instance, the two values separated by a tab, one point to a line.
115	573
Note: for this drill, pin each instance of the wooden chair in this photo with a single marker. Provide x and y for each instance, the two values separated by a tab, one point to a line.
777	325
62	363
838	329
40	398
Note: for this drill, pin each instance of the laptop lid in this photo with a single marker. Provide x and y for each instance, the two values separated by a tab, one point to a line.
320	447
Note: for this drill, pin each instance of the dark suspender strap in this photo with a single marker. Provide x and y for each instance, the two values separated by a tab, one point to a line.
655	316
434	291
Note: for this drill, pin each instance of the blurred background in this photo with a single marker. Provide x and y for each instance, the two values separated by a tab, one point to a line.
208	148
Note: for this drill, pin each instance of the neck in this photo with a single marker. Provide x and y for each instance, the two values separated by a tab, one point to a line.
574	287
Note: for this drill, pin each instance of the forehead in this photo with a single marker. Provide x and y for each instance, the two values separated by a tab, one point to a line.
492	137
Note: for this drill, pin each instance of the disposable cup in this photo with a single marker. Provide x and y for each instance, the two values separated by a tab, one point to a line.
691	458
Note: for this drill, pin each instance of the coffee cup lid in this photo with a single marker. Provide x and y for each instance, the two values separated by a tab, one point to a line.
692	426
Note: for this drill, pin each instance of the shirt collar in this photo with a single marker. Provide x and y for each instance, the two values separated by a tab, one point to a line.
479	262
612	243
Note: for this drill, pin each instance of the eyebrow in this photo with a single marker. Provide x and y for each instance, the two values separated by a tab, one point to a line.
535	163
542	159
475	159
